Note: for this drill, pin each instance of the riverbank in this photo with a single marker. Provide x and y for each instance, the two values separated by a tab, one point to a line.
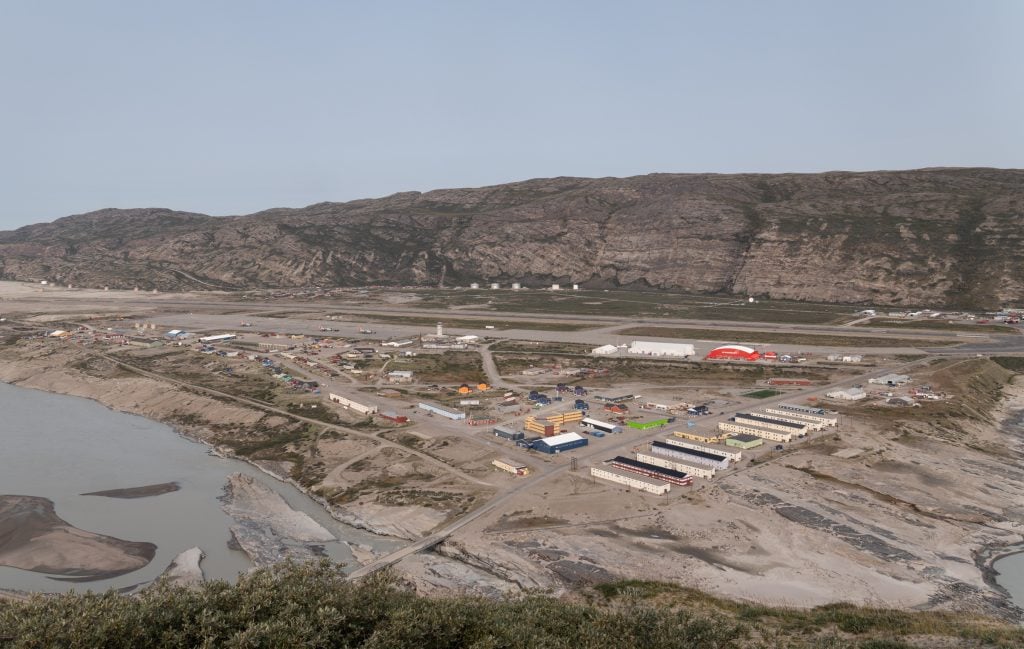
897	526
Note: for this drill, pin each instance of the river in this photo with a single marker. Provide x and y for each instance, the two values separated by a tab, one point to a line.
59	447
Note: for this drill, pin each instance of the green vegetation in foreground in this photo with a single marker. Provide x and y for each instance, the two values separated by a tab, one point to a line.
818	340
313	605
940	325
762	394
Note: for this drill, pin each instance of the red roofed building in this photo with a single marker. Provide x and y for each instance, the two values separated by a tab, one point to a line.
733	353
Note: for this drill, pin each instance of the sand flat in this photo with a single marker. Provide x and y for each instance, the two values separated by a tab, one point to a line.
33	537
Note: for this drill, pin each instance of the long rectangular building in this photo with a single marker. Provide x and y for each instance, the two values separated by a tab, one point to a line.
559	443
438	410
794	419
690	455
737	428
700	436
827	417
652	471
766	421
601	425
657	487
690	468
731	453
352	405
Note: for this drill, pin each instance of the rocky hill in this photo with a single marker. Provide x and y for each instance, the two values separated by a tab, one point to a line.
949	237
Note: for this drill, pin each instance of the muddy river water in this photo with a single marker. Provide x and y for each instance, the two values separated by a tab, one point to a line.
59	447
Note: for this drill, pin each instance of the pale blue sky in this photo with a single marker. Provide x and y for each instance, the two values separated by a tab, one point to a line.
228	107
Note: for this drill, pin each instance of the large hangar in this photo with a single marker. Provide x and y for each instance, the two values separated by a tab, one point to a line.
651	348
733	353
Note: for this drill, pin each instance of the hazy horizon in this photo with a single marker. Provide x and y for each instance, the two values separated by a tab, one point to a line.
234	108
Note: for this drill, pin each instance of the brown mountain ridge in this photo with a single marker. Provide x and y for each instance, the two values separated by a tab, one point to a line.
946	237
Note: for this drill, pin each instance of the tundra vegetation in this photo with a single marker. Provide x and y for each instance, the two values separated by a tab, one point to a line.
313	605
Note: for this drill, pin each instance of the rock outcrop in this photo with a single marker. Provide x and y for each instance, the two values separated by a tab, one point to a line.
941	237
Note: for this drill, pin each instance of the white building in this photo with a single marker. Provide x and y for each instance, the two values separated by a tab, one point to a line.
827	417
812	424
605	350
757	431
650	348
352	405
516	286
733	454
495	285
849	394
767	421
438	410
219	338
650	485
688	468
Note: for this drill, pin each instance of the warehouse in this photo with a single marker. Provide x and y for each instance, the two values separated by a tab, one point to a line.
605	350
559	443
656	487
690	455
827	417
690	468
650	348
601	425
744	441
438	410
733	353
652	471
768	422
849	394
352	405
793	419
647	425
732	455
511	466
750	429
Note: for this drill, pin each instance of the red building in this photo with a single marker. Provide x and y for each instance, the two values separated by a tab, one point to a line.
733	353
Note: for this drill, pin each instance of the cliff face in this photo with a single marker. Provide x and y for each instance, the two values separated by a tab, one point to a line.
946	237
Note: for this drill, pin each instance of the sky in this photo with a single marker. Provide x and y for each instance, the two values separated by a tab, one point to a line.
234	106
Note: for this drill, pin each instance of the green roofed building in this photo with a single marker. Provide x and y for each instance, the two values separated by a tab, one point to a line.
645	425
744	441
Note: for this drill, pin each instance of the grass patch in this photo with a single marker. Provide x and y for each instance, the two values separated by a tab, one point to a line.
468	323
1012	363
447	367
638	303
762	394
939	325
819	340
